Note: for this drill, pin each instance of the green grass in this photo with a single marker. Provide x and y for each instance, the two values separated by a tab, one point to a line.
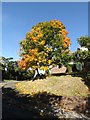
61	86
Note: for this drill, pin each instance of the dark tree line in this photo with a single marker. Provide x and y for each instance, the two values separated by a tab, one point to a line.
10	70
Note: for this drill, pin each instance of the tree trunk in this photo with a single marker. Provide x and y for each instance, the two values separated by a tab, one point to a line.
37	71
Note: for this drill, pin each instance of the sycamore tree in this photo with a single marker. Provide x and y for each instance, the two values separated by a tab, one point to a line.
45	44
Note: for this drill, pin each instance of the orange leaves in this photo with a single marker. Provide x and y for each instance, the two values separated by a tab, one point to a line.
67	42
64	32
65	45
34	38
25	61
22	64
55	23
25	56
35	34
36	30
41	43
28	35
33	51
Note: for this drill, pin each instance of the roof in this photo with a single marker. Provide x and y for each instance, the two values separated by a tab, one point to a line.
56	70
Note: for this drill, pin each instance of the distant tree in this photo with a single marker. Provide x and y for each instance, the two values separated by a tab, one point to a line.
11	70
4	67
44	45
83	56
80	54
84	41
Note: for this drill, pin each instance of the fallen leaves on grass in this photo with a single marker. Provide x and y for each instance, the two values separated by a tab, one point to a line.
61	86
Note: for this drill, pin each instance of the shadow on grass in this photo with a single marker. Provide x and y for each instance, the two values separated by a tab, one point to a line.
16	106
59	74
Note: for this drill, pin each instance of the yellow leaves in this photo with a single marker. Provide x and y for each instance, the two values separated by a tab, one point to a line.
33	51
25	56
49	49
36	30
23	90
28	35
42	42
36	34
30	87
40	61
67	42
53	85
18	84
44	68
56	24
34	67
41	58
41	38
62	31
49	62
34	39
26	59
40	35
65	45
32	58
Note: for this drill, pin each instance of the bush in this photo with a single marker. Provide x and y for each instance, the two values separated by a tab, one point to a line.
69	69
88	75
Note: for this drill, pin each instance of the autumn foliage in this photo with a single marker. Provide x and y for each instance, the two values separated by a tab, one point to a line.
43	44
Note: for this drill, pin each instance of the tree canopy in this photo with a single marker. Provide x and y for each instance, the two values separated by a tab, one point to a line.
84	41
83	55
46	43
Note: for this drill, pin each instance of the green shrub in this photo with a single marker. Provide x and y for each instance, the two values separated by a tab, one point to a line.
88	75
69	69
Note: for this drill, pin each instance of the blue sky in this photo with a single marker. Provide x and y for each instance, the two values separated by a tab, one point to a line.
19	17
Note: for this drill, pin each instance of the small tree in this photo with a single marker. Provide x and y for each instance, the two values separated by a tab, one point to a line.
84	41
44	45
83	56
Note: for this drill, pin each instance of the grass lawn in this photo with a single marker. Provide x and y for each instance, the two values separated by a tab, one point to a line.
57	85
